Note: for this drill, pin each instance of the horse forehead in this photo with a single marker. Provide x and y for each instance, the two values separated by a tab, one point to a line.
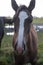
23	15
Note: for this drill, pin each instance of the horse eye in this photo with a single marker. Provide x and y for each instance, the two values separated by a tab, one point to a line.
26	20
29	19
15	30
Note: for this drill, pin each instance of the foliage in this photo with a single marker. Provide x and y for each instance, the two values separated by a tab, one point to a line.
37	20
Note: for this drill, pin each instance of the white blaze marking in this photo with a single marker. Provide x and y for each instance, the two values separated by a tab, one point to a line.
22	16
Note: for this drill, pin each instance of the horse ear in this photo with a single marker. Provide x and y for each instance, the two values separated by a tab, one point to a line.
32	5
14	5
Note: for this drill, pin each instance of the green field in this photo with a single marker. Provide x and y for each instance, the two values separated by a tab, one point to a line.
6	51
37	20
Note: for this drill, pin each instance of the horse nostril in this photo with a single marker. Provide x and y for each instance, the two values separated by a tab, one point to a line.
15	45
19	50
24	45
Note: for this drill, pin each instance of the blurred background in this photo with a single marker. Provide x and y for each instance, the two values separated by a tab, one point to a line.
6	9
7	13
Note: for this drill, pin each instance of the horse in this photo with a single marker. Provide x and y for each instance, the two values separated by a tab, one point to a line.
25	36
3	21
1	30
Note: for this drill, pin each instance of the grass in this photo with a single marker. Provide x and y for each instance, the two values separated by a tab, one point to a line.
38	21
7	41
6	53
6	56
40	48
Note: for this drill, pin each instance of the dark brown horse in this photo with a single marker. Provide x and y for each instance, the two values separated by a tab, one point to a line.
3	21
25	36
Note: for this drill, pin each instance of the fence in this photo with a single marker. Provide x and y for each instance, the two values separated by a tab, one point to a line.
9	29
